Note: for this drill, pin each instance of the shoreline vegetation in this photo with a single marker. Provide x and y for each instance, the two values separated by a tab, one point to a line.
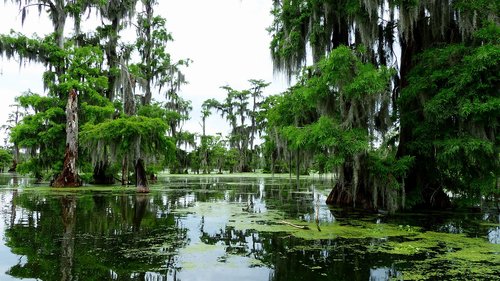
291	181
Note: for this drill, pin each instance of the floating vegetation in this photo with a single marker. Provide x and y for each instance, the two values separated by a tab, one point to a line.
420	251
242	231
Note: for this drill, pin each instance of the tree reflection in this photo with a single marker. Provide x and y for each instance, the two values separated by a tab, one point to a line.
140	205
68	209
115	235
295	259
291	258
95	237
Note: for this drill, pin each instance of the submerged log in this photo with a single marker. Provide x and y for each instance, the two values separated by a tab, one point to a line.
305	227
69	175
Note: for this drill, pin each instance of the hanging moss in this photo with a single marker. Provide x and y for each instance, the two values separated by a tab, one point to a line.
123	133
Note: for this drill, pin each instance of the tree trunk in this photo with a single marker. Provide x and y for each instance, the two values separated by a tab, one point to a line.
15	160
59	15
141	180
141	177
113	60
69	175
297	168
417	178
15	151
147	56
352	188
125	170
100	176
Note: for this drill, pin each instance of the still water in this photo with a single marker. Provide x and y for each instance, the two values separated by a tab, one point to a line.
229	228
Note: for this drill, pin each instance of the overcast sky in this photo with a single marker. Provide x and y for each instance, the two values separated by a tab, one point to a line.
226	39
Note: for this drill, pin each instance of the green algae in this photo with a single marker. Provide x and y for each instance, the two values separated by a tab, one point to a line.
426	254
86	189
446	245
200	248
440	268
489	224
242	217
418	255
274	221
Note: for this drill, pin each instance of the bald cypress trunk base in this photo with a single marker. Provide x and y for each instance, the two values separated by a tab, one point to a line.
341	196
141	177
353	188
68	177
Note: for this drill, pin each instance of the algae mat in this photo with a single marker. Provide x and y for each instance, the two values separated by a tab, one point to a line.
420	255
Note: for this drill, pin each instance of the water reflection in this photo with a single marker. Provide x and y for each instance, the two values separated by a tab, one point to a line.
120	235
384	273
10	180
494	235
68	209
96	237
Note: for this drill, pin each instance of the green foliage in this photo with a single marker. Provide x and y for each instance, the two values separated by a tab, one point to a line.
310	115
122	135
239	107
82	72
157	68
42	131
79	65
457	125
5	159
289	34
36	49
153	111
231	160
388	171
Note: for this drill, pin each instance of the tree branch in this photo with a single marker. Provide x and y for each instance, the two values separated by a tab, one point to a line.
38	4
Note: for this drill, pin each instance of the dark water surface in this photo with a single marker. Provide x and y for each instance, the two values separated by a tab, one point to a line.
194	229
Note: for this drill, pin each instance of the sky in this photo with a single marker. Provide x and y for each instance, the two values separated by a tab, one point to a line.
226	40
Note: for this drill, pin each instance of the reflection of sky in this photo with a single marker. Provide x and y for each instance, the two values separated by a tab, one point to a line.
493	232
451	228
383	274
321	210
199	261
494	235
7	258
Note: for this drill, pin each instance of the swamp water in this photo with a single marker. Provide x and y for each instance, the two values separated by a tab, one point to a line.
228	228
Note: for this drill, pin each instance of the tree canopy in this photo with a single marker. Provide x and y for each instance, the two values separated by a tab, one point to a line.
397	99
